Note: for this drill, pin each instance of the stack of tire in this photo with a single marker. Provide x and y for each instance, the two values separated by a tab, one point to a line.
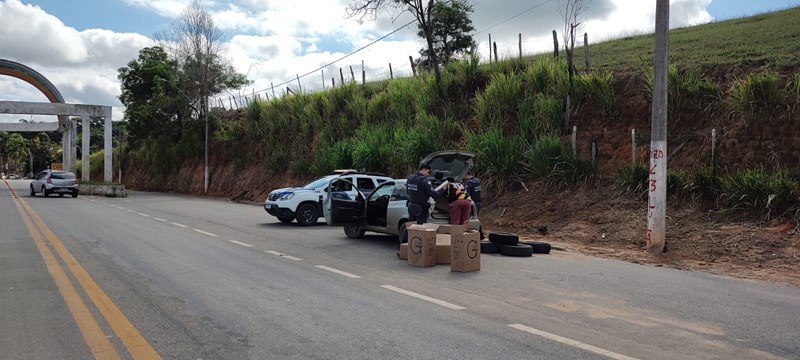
509	244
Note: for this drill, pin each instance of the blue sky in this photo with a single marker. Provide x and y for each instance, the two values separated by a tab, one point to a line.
80	44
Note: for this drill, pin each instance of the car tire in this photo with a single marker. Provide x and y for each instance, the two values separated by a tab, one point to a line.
488	247
538	247
401	231
74	194
480	230
44	192
521	250
354	232
33	193
285	220
61	195
307	215
502	238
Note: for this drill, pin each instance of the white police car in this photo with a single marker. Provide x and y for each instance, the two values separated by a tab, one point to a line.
305	203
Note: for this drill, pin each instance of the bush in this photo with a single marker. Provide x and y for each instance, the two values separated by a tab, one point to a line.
597	87
686	88
772	194
373	148
539	116
548	78
498	155
757	97
705	182
676	181
498	105
553	159
633	177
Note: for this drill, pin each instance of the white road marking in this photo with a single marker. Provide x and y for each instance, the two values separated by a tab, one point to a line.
130	211
423	297
340	272
120	207
283	255
179	225
240	243
570	342
205	232
143	214
160	219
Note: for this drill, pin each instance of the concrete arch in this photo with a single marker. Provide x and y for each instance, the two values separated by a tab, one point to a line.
33	77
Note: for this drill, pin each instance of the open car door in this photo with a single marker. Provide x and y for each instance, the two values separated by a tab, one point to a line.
341	209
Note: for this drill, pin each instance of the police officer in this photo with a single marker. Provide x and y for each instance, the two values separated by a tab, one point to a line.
419	191
474	190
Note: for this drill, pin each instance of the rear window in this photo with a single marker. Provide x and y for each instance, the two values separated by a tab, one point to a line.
63	175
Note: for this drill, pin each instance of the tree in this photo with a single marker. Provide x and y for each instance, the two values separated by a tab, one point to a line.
152	107
17	150
570	11
421	10
451	31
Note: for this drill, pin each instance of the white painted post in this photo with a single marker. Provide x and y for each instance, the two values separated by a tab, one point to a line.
657	203
713	147
85	124
633	146
575	140
108	146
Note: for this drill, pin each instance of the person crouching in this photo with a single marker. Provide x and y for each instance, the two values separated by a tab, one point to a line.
460	204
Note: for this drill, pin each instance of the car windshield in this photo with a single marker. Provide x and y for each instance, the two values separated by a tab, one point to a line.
318	183
454	167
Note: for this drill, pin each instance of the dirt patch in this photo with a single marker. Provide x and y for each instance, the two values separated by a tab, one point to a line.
601	222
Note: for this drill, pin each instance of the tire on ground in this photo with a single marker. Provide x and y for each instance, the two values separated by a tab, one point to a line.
488	247
285	220
538	247
354	232
503	238
33	193
521	250
307	214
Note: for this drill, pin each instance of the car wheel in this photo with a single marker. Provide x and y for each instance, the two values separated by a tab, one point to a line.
503	238
402	232
538	247
33	193
285	220
480	230
521	250
44	192
354	232
489	248
307	215
61	195
74	194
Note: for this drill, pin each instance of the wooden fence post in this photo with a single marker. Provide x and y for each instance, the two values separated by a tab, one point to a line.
273	89
555	45
413	68
391	73
352	74
586	51
490	48
520	46
633	146
495	51
299	88
333	82
322	71
575	140
594	151
713	148
341	75
363	74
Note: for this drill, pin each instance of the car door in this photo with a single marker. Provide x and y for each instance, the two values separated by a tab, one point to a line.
344	212
377	205
37	182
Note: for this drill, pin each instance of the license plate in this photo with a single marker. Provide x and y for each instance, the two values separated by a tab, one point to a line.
268	206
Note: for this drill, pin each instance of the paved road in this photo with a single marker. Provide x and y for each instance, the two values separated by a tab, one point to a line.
193	278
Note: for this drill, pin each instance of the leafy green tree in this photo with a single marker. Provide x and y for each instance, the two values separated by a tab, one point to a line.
17	149
451	32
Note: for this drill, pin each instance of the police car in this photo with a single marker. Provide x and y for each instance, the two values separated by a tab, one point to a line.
385	210
304	204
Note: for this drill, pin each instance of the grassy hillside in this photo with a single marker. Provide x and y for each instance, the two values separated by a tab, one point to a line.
511	114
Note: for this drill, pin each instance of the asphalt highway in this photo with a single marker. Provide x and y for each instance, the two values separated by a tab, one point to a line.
180	277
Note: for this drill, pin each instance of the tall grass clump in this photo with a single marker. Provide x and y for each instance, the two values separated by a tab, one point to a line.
632	177
499	156
552	159
498	105
756	97
597	87
547	77
467	73
373	147
686	89
539	116
770	193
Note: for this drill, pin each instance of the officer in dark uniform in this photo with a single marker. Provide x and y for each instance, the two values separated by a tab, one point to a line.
419	191
473	185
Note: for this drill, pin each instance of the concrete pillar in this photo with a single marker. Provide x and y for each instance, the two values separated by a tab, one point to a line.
108	147
73	145
65	146
85	125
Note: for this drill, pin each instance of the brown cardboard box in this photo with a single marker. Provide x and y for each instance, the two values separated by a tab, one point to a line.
442	249
404	251
421	246
450	229
465	252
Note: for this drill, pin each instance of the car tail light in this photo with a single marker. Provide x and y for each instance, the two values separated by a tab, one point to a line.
49	180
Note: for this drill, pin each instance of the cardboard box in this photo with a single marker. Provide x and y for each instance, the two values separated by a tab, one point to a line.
404	251
442	249
450	229
421	246
465	252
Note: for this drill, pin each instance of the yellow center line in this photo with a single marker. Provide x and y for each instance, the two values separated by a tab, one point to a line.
97	341
136	344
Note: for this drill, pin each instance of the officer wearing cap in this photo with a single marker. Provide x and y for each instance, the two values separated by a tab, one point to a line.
419	191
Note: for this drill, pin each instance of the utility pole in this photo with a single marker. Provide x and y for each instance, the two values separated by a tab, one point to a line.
204	105
657	202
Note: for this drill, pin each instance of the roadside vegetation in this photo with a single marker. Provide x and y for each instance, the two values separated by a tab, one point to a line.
512	115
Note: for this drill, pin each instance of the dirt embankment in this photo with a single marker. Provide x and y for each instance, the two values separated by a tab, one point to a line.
598	219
